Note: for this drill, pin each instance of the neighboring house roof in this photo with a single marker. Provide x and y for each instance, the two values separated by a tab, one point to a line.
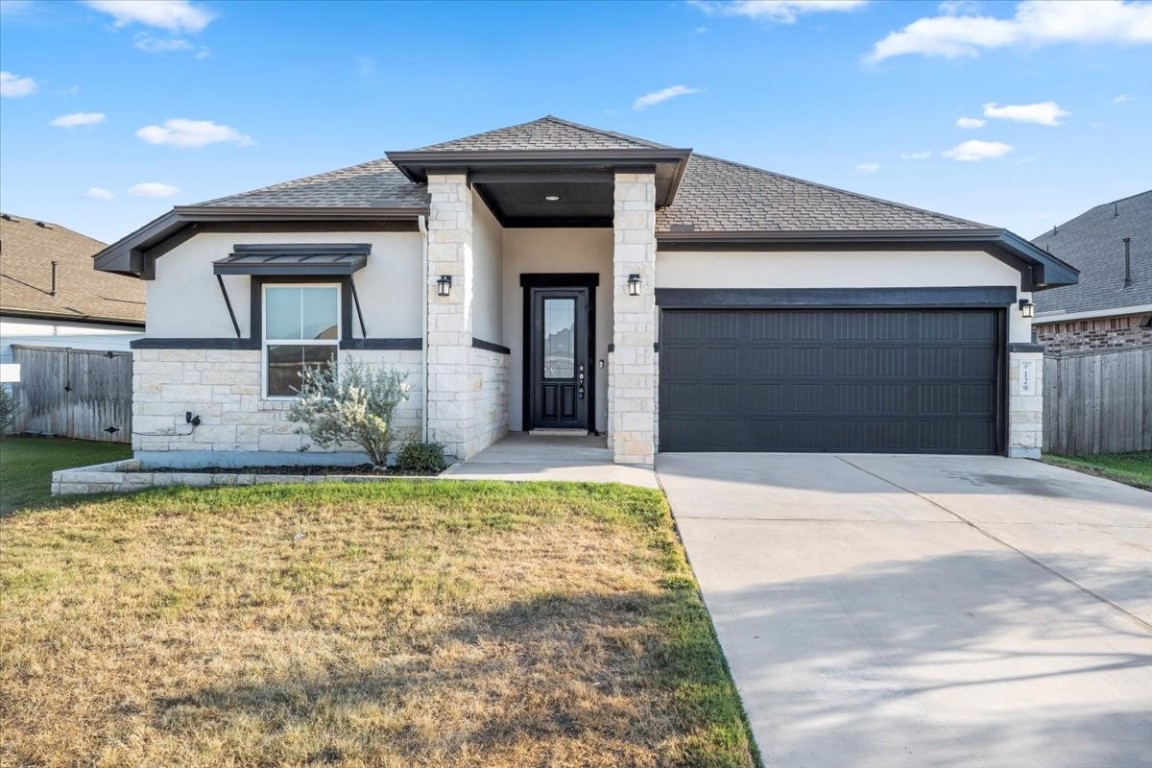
1093	242
698	197
27	249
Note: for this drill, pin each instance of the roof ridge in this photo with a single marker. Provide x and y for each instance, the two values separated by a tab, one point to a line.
550	119
17	219
285	184
848	192
602	132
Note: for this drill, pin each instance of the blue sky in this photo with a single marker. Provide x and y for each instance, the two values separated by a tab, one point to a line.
111	112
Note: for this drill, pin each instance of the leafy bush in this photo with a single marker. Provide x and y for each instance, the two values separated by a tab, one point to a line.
9	409
427	458
349	402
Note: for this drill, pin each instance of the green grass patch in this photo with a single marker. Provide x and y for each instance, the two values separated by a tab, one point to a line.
389	624
27	464
1133	469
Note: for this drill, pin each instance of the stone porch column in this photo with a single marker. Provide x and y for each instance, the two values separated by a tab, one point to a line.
449	342
632	377
1025	401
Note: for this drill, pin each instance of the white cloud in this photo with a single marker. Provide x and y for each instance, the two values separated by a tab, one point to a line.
1121	99
970	122
192	134
14	87
973	151
1035	23
915	155
1043	113
99	193
153	189
77	119
654	98
177	16
775	11
152	44
867	167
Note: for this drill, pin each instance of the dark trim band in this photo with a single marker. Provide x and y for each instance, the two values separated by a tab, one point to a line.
371	344
173	343
1022	347
490	347
990	296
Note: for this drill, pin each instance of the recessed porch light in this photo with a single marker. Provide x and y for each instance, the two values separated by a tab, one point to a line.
551	198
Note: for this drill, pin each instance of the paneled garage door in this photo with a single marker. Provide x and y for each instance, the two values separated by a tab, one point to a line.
900	381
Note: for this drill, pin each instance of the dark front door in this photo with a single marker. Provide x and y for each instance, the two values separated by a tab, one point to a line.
559	367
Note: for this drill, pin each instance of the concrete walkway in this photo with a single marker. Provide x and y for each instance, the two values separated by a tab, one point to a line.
894	611
520	456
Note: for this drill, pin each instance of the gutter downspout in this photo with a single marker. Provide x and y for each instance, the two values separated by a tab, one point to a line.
421	222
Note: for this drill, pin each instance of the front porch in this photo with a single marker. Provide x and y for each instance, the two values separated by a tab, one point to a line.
520	456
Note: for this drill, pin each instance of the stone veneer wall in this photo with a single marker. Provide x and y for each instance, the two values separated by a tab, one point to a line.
238	426
488	416
1025	405
1094	333
632	375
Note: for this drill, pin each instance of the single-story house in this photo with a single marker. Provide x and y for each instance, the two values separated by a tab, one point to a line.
48	286
550	276
1111	306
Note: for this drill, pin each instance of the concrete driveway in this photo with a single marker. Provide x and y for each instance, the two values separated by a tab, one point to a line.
890	611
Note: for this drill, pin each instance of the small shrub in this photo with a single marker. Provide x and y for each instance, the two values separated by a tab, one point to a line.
9	409
426	458
349	402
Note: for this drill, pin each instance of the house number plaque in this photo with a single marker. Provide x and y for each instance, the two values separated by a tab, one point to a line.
1027	380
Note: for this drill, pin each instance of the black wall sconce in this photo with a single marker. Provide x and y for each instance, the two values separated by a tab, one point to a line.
633	285
1027	309
444	285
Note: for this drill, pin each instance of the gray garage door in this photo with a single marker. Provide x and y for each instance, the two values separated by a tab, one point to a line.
923	381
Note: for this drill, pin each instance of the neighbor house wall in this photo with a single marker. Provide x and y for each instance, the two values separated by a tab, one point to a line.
547	251
1083	335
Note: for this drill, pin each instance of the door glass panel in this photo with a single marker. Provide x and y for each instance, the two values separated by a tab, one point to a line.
560	338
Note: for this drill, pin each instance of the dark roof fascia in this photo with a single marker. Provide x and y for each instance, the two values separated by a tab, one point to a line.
1039	269
32	314
133	255
416	164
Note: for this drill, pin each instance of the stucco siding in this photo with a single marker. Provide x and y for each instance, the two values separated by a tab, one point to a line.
833	269
488	266
184	300
555	250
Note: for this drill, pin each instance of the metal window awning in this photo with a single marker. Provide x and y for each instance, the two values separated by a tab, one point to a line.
294	260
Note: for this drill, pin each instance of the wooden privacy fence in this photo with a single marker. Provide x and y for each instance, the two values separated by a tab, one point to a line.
1098	402
79	393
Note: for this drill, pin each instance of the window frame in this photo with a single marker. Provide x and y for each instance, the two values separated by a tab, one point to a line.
259	311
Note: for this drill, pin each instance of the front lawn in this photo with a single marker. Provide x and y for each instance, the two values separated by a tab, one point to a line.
1130	468
392	624
26	466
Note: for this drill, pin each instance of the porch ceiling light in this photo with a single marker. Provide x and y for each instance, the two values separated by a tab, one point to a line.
444	285
633	285
1027	308
551	198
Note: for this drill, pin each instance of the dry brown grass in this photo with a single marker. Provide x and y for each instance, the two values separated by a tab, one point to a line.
399	624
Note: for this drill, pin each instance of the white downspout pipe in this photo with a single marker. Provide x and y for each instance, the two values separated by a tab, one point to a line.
421	222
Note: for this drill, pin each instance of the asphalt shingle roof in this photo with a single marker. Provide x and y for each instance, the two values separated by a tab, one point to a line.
27	250
719	195
1093	242
715	195
546	133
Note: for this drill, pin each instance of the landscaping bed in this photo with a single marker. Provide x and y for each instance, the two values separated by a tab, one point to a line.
381	624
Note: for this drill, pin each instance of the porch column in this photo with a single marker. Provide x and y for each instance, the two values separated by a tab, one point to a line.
632	378
449	342
1025	401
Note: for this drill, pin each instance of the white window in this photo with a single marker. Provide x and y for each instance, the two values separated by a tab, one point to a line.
301	329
